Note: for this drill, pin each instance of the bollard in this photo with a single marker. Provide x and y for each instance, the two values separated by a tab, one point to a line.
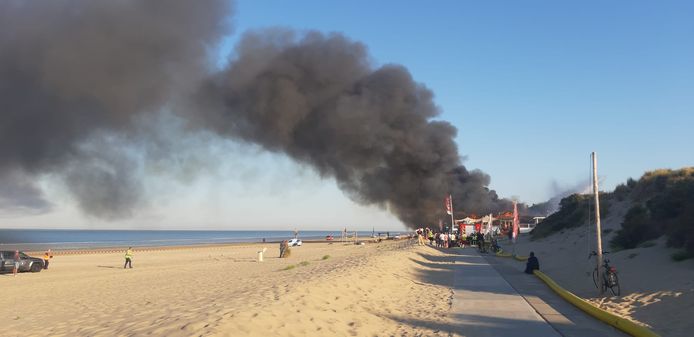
260	254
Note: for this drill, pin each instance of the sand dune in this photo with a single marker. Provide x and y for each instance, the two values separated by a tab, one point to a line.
656	291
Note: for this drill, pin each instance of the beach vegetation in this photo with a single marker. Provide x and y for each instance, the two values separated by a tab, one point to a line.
304	263
681	255
647	244
636	229
325	257
289	267
573	212
663	205
660	206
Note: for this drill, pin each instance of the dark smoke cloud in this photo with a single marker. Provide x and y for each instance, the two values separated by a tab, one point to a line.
19	195
78	78
70	70
317	98
104	179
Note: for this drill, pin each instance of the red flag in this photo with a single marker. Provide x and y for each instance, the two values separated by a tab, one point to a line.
515	221
448	205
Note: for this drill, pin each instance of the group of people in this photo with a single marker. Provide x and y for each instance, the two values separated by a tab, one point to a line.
17	260
448	240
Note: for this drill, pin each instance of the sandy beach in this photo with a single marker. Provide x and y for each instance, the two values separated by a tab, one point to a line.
377	289
322	289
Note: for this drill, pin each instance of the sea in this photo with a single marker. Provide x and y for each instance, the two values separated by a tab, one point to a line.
65	239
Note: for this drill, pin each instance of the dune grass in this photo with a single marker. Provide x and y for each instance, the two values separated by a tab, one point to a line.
300	264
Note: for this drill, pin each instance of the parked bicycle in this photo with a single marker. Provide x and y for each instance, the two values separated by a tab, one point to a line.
609	276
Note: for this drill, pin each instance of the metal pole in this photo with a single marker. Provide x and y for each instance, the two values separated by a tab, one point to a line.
452	219
596	192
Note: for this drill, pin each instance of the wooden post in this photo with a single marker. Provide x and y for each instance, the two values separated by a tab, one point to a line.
598	229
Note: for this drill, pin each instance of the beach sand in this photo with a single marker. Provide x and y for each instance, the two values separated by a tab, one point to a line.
655	290
368	290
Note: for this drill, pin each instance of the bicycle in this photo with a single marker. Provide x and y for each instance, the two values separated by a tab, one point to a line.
609	276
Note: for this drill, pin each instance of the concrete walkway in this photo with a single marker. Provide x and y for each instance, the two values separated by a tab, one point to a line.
486	304
564	317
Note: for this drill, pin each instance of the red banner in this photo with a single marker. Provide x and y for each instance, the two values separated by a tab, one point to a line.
515	221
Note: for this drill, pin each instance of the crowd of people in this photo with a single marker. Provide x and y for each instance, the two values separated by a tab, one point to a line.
482	241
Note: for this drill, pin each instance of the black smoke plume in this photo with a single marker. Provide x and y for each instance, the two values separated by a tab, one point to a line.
19	196
75	73
317	98
71	70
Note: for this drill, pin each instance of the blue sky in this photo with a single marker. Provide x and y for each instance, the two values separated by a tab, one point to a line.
532	86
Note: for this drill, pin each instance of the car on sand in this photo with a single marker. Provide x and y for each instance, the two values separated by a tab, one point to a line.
294	242
26	262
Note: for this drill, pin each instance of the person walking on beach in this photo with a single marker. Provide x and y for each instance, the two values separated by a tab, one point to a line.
128	258
46	258
16	263
284	245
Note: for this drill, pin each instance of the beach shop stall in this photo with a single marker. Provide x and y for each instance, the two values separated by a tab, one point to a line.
504	221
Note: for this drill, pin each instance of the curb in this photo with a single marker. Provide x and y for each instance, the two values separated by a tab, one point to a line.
607	317
620	323
520	258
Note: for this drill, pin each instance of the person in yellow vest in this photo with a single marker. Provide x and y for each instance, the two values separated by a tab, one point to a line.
46	258
128	258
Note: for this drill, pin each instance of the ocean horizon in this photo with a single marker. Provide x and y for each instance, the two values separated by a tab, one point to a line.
64	239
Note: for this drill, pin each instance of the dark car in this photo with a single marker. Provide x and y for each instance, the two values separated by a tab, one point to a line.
26	262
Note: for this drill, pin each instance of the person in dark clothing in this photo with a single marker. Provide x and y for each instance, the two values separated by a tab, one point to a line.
533	264
480	242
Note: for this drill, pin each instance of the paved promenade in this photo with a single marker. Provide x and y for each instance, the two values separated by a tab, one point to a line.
486	304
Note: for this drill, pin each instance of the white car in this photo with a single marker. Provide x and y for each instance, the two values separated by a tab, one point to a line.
294	242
